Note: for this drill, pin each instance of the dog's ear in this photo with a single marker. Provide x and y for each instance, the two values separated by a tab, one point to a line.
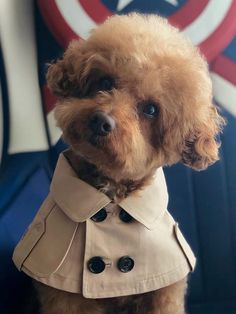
61	76
200	147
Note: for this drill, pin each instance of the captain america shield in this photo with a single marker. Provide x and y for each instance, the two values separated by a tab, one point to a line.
210	24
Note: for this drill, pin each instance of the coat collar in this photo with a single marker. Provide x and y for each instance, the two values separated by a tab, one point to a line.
80	201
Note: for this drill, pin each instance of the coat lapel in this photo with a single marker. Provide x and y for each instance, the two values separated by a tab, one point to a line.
80	200
75	197
149	204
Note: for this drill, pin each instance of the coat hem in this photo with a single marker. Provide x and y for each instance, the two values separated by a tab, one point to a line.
146	285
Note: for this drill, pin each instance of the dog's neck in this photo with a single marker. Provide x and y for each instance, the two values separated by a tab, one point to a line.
90	174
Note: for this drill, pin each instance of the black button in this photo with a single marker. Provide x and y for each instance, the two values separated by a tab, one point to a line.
124	216
96	265
100	216
125	264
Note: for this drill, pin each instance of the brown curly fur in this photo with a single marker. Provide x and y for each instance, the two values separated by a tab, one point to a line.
169	300
149	61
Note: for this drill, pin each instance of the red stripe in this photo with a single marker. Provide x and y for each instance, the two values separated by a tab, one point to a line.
188	13
96	10
49	99
225	67
56	23
222	36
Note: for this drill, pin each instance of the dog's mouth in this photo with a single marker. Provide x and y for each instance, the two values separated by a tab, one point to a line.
98	142
94	140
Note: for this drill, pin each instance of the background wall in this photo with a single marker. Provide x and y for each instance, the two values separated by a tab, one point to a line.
32	34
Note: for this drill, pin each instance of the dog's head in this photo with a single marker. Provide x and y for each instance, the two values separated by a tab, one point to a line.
135	96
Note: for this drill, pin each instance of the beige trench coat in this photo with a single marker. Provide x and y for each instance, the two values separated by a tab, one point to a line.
131	257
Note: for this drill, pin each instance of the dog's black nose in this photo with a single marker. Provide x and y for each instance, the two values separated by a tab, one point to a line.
101	123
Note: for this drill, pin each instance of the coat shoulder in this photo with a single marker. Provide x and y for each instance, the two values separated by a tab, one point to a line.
50	231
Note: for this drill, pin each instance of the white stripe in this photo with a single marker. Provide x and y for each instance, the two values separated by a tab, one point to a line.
27	131
208	20
224	93
76	17
54	131
1	124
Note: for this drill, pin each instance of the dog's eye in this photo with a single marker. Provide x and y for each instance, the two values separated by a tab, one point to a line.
105	84
150	110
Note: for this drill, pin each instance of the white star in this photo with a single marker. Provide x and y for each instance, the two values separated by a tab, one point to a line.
121	4
173	2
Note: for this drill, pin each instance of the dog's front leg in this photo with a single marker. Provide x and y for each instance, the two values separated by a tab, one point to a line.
53	301
170	300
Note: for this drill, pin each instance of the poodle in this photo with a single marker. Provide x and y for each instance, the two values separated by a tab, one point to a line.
132	98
